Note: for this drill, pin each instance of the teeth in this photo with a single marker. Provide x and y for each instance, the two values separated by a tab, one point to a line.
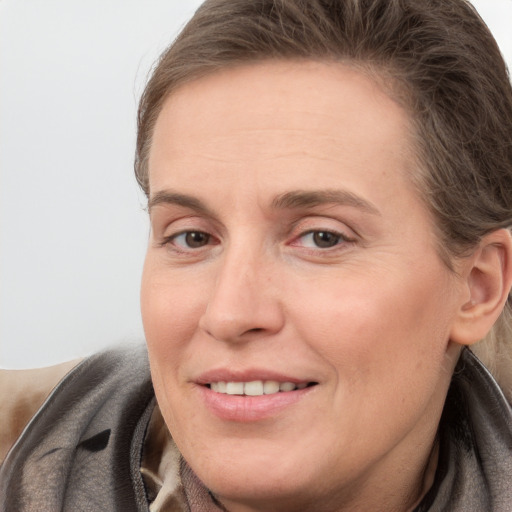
255	388
235	388
287	386
219	387
270	387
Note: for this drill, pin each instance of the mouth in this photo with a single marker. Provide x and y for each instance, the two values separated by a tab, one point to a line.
255	396
256	387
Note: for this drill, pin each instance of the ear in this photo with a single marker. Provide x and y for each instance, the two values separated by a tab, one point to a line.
488	278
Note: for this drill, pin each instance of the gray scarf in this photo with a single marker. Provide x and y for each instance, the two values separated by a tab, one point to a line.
83	449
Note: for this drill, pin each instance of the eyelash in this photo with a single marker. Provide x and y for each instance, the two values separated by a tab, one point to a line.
171	239
339	239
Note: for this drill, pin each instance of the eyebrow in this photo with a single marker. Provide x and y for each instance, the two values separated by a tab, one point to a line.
168	197
296	199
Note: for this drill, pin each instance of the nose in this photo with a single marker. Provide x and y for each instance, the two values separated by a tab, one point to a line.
243	303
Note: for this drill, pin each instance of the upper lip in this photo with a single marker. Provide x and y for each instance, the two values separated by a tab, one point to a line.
230	375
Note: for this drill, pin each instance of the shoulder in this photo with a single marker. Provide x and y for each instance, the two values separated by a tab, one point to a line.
84	441
475	436
22	392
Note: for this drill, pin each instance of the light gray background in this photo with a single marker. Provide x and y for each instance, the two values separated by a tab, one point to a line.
72	226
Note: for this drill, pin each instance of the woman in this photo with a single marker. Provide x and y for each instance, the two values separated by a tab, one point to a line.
330	193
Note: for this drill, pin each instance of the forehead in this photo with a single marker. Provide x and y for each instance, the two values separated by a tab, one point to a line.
273	119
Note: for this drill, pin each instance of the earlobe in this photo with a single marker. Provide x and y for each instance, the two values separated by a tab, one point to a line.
488	277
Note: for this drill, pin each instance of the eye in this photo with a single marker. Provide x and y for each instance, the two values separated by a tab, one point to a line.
190	239
321	239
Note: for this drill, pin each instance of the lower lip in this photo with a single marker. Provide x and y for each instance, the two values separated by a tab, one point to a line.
245	409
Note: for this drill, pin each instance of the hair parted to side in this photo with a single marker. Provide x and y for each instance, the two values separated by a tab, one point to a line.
436	57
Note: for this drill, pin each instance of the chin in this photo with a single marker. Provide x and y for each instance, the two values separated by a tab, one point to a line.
256	475
261	490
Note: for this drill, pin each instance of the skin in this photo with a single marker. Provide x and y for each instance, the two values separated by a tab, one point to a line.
367	313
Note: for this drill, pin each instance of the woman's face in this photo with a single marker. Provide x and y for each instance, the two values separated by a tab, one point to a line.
289	252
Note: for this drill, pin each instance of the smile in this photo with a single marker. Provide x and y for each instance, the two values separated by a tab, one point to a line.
246	399
256	387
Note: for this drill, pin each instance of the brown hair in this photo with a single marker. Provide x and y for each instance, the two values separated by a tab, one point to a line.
440	61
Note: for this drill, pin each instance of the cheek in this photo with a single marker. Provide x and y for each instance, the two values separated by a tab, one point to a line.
170	315
170	309
358	326
386	347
